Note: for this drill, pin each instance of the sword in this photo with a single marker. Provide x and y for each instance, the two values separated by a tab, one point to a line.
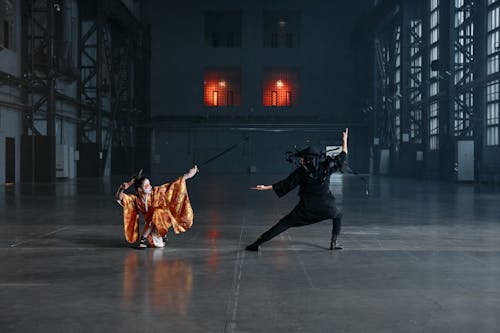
225	151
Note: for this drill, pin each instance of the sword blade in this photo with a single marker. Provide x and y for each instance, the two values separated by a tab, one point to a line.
225	151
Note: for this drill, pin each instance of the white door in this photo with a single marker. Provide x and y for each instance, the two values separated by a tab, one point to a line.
384	161
465	160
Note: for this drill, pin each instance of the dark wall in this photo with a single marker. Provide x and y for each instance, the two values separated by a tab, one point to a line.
326	58
37	158
89	160
334	73
490	167
10	160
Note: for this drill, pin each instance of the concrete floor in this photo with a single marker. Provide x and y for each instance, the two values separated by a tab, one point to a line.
420	256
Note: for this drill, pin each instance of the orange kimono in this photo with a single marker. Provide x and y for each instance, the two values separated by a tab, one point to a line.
167	206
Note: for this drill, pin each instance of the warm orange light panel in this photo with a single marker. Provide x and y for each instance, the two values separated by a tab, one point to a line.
222	88
215	98
280	88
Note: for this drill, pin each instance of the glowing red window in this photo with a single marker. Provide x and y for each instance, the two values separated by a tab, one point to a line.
222	87
280	87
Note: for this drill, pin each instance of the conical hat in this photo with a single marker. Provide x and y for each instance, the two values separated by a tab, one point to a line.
309	151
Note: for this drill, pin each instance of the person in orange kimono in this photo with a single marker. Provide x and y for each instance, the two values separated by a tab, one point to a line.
162	206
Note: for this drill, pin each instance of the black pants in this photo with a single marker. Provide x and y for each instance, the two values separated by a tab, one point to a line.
300	217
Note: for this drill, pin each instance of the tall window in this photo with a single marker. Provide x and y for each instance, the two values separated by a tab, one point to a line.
434	75
463	68
280	87
434	46
222	87
223	29
493	48
434	126
493	43
492	107
397	84
415	79
492	89
281	29
462	124
6	23
464	50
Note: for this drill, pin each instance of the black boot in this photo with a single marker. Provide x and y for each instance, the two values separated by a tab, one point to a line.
334	244
255	245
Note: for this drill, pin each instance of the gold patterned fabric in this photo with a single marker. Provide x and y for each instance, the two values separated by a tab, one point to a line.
168	206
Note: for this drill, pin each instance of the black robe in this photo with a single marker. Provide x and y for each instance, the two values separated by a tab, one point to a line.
317	202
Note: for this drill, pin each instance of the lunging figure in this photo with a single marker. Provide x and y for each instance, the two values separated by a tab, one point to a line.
316	203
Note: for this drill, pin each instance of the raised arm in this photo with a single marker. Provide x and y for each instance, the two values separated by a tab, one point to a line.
123	187
344	140
336	163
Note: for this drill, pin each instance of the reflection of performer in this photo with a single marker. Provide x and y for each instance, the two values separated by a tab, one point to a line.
165	284
316	203
162	206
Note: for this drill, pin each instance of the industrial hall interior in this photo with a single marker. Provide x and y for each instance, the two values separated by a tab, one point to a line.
250	166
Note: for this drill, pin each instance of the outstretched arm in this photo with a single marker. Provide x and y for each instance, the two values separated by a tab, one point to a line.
190	174
283	186
262	187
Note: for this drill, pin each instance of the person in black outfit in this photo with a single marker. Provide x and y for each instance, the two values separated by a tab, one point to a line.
317	202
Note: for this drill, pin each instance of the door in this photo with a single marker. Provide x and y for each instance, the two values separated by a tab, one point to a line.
465	160
10	160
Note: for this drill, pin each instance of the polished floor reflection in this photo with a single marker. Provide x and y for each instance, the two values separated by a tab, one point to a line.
420	256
